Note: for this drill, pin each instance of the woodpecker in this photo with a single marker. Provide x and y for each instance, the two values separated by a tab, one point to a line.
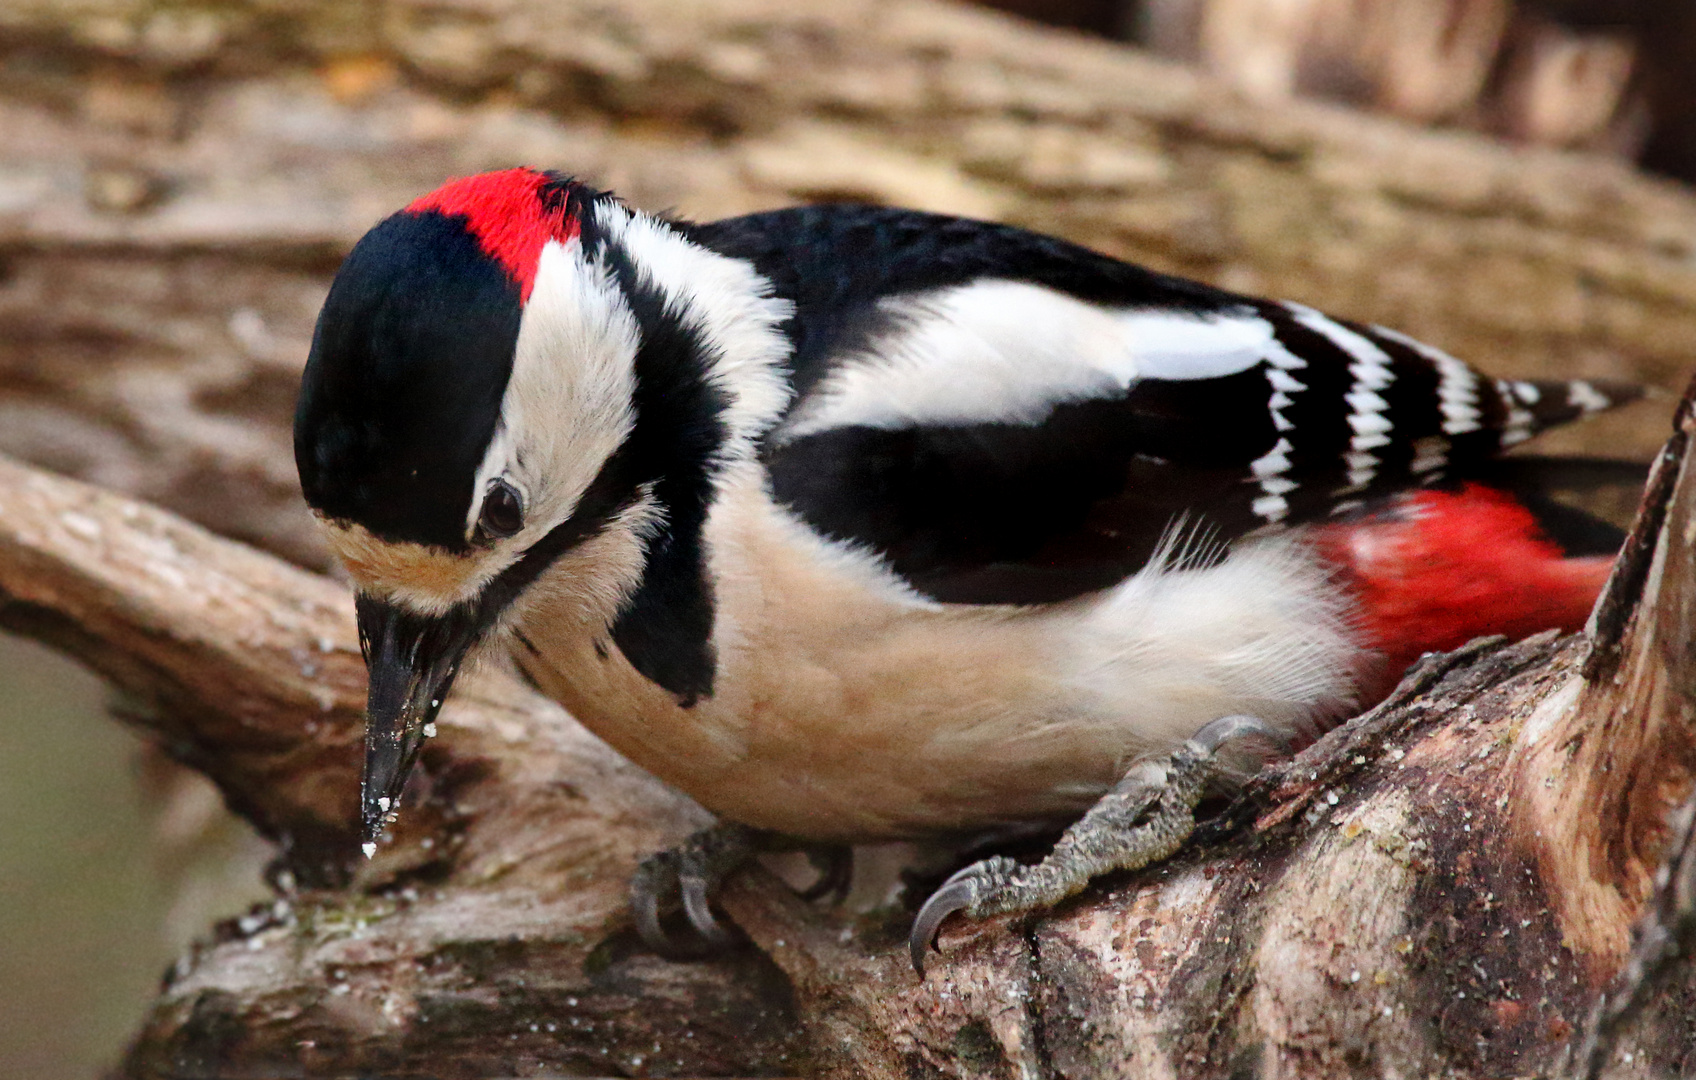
861	524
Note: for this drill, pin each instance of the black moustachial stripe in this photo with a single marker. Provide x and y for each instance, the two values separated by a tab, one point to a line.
665	628
450	633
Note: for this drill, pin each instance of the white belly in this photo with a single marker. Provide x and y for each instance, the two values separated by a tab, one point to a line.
846	707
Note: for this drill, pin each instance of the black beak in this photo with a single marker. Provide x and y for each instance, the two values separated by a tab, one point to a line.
411	661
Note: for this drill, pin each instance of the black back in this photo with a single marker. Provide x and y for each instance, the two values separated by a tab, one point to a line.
989	512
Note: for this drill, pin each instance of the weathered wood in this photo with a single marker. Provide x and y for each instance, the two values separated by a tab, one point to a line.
1469	857
179	182
488	940
1443	885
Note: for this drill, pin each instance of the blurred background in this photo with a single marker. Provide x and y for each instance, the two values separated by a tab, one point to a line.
1614	76
178	181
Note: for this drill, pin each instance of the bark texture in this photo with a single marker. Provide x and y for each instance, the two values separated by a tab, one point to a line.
488	938
1445	885
180	181
1442	886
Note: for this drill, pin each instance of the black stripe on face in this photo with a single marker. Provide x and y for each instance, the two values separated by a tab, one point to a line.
665	628
614	489
412	659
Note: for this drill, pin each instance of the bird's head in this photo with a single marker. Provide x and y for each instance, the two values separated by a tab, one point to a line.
518	379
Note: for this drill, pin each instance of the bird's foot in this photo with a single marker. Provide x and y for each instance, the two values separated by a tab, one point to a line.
688	877
1145	818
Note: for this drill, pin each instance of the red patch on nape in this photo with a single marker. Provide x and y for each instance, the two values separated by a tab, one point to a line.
507	213
1446	567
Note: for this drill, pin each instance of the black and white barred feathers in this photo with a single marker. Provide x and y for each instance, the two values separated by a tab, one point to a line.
1009	418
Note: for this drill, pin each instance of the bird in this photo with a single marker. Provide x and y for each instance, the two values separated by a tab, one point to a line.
856	523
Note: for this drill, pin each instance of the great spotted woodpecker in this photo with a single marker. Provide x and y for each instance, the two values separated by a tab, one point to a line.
859	523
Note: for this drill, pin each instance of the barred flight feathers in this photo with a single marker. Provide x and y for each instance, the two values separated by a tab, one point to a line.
1008	418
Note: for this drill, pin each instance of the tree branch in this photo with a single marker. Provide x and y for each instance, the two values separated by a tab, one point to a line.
1442	886
492	932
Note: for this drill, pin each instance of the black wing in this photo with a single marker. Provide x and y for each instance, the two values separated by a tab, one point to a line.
1031	443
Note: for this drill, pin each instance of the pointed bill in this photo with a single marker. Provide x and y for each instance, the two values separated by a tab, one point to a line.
411	661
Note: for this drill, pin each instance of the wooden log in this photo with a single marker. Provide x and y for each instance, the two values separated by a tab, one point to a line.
1443	885
177	190
490	938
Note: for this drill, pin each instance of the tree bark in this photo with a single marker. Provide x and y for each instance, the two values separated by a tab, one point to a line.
490	934
1445	885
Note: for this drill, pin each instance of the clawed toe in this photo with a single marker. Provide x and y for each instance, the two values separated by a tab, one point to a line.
694	888
961	892
1144	819
687	878
836	874
651	888
1217	733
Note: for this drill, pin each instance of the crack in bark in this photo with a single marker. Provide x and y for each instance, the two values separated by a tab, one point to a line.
1038	1034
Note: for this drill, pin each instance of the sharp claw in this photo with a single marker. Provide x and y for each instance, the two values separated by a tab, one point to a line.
957	894
1217	733
645	888
693	887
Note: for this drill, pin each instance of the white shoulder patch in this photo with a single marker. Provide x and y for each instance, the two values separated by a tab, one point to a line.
734	308
1008	352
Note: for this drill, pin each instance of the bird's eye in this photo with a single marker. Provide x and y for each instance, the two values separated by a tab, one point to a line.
503	511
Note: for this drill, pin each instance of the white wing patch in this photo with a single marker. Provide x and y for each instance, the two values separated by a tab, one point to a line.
1173	345
1008	352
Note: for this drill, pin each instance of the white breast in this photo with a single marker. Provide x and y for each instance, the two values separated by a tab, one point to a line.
848	707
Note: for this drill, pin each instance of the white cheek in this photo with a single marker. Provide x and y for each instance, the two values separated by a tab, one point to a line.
567	405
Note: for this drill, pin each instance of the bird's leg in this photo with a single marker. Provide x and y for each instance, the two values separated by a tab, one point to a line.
1145	818
688	876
